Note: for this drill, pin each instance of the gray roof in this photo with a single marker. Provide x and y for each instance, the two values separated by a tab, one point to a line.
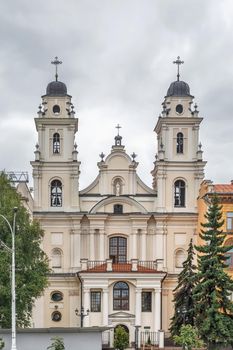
178	88
56	88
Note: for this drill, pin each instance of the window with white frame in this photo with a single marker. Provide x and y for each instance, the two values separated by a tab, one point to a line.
56	193
56	143
229	221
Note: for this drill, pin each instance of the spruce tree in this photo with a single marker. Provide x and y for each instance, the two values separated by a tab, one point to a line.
213	308
31	262
183	297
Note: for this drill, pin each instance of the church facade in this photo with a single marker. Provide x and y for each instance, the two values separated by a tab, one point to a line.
115	247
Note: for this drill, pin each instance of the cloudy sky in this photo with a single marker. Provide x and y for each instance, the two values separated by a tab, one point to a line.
117	64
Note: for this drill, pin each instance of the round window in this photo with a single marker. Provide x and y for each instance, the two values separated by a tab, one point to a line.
56	109
56	296
179	109
56	316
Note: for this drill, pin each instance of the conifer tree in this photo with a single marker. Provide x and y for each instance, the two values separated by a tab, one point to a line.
31	263
183	297
213	308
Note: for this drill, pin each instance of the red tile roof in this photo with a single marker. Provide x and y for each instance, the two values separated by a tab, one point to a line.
222	188
121	268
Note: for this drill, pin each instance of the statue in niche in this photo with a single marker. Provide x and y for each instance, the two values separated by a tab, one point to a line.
118	189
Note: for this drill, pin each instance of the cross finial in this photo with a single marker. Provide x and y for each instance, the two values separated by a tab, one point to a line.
118	127
178	62
56	62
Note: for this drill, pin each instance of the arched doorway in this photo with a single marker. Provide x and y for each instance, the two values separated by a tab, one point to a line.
123	326
114	333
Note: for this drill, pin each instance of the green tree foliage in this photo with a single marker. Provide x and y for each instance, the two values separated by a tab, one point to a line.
121	338
188	338
183	294
57	344
213	308
2	344
31	262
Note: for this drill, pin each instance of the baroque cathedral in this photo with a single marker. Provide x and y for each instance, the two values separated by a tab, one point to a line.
117	246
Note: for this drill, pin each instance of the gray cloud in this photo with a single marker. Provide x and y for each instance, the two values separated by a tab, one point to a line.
117	63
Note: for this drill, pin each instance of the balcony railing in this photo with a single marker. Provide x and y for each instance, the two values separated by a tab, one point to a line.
133	265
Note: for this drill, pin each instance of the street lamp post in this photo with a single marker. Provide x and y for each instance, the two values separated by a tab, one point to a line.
82	314
13	294
136	336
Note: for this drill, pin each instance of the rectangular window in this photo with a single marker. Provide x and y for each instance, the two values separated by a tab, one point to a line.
146	301
230	221
95	301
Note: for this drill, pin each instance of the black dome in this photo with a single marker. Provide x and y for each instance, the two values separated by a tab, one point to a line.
56	88
178	88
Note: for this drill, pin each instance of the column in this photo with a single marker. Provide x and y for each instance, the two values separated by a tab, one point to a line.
157	309
134	244
75	248
143	245
105	307
160	241
92	245
86	305
101	245
138	306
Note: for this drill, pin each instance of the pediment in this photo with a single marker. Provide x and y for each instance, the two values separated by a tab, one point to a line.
118	161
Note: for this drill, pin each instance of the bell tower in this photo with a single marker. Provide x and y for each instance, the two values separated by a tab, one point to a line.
56	168
179	168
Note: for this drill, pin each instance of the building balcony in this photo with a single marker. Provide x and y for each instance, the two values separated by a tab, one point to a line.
133	265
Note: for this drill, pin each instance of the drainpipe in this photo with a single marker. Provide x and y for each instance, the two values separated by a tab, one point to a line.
81	292
161	311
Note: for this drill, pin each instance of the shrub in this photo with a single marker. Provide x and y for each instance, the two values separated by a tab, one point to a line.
57	344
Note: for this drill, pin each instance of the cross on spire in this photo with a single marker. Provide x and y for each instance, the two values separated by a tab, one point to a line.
56	62
118	127
178	62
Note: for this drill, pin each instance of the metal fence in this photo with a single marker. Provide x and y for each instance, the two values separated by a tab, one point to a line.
149	339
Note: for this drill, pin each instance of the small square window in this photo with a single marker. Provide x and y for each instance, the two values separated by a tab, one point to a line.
118	209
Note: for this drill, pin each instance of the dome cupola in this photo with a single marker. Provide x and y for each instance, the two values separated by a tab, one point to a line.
56	88
178	88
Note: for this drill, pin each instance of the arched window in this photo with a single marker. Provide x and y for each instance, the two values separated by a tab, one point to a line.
118	249
179	258
179	193
56	109
56	143
56	193
56	258
121	296
229	254
179	142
